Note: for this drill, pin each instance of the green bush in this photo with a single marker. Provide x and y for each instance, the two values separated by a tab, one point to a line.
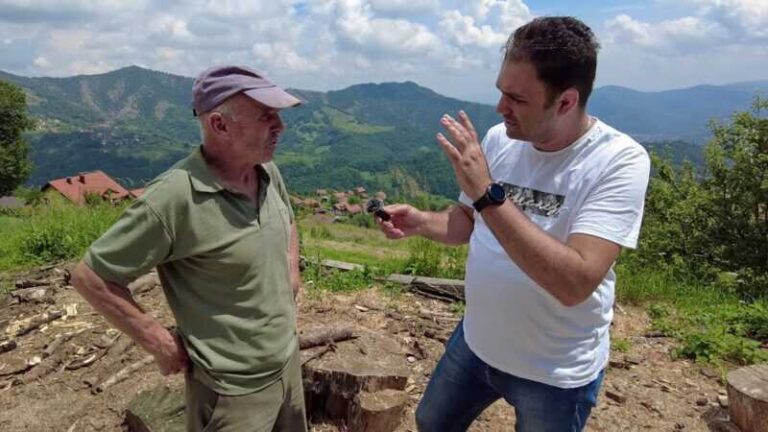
717	344
47	244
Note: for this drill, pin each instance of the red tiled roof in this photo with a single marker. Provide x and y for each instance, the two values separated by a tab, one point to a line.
96	182
137	192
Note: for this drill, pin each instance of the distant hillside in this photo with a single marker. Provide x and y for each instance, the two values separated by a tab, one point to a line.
133	123
674	114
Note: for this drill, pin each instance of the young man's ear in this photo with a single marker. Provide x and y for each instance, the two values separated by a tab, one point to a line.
568	100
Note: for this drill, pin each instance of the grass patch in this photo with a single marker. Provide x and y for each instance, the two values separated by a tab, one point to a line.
712	324
620	345
458	308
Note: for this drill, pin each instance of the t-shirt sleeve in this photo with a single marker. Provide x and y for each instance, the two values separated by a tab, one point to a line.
136	243
613	209
281	189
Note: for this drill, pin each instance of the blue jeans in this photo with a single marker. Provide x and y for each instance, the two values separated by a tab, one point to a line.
462	386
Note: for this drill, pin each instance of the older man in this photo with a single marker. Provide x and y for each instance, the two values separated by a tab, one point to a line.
219	228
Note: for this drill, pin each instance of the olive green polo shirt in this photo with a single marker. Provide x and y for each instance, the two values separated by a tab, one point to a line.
223	265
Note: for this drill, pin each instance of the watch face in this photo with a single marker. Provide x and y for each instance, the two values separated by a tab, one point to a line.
496	192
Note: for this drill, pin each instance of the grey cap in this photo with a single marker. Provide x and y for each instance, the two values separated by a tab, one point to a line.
219	83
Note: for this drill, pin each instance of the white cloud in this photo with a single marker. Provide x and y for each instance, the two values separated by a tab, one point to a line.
405	7
357	25
677	36
281	56
748	18
463	31
714	24
42	62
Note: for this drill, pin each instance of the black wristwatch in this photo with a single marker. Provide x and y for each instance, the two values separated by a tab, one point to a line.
494	195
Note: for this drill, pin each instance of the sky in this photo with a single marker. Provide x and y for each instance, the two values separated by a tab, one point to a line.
450	46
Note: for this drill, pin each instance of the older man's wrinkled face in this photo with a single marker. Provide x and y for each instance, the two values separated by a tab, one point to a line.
254	129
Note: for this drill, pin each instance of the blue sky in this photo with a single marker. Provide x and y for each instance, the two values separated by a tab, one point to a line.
451	46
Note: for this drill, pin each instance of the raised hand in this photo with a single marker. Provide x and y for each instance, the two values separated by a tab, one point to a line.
465	154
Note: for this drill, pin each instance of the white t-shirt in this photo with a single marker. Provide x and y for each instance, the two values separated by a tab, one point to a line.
594	186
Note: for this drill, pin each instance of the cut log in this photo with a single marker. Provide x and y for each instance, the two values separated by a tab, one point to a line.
30	283
33	295
748	398
156	410
442	289
380	411
333	264
334	384
122	374
324	337
26	325
340	265
401	279
143	284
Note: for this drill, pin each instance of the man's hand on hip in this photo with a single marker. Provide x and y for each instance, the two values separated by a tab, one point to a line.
169	352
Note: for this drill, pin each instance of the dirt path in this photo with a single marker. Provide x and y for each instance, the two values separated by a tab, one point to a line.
647	389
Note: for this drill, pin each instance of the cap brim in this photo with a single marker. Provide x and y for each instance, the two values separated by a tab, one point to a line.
273	97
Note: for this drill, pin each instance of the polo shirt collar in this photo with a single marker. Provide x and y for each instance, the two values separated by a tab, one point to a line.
201	176
204	180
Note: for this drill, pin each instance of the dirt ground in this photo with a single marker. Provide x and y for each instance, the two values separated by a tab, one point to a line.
644	389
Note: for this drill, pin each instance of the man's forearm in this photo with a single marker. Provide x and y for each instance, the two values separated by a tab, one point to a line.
555	266
115	304
452	226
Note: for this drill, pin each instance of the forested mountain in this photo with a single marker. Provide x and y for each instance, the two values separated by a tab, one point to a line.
132	123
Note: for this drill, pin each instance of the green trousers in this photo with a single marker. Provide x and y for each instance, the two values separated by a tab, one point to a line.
277	407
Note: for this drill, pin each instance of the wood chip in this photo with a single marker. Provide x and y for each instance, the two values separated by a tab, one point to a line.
122	374
22	327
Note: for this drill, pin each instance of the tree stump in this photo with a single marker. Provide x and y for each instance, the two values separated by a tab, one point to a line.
748	398
157	410
380	411
358	384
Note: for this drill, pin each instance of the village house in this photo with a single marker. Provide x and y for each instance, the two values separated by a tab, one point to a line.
75	188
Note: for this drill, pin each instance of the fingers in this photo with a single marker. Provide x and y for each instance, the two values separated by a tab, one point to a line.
401	217
467	123
461	135
452	152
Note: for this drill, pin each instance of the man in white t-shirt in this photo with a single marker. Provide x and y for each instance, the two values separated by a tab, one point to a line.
548	200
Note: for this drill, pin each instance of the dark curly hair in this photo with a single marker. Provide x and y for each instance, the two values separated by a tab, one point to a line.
563	50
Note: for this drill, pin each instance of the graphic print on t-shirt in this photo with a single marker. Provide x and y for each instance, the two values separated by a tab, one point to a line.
534	201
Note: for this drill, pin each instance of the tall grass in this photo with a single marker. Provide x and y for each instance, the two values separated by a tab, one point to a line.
53	232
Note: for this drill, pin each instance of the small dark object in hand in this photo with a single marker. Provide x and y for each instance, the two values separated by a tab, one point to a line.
376	207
